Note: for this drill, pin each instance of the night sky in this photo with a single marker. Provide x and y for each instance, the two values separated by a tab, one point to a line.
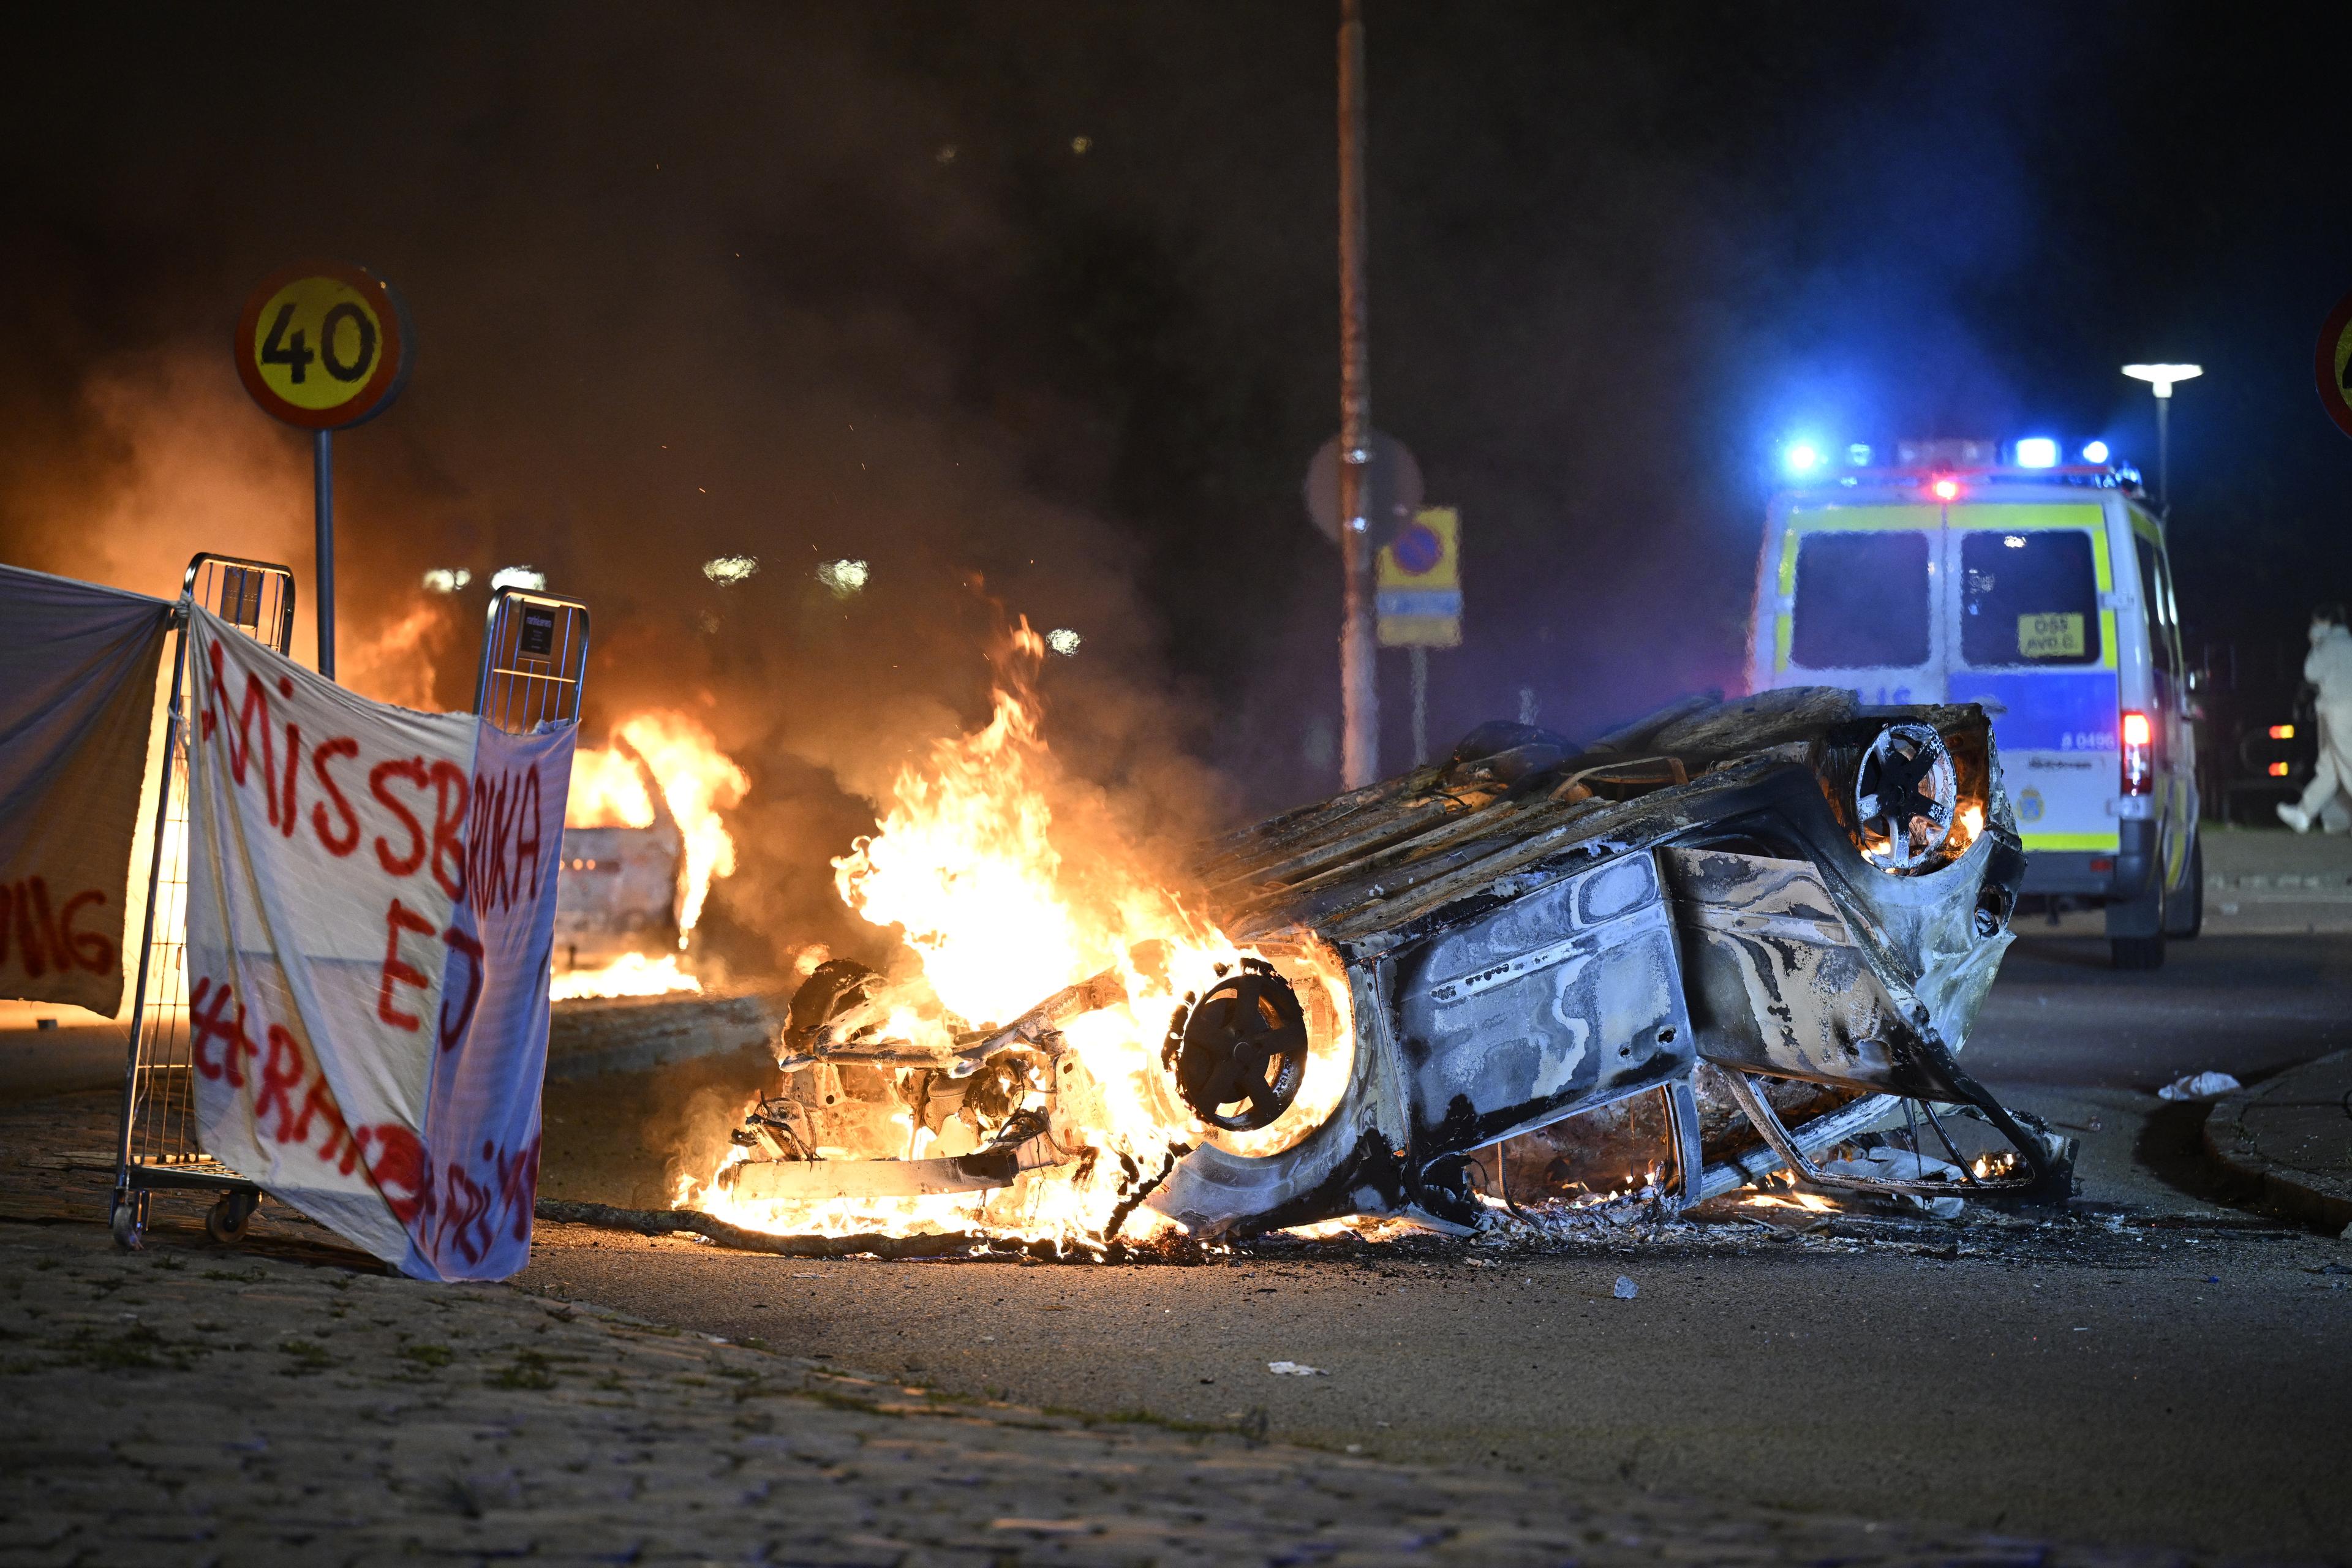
1034	306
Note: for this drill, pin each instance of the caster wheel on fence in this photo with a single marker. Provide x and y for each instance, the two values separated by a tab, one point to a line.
124	1222
229	1218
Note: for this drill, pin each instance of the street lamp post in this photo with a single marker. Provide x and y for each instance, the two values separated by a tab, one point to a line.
2160	379
1359	704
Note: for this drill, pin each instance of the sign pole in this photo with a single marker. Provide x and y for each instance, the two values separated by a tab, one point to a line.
1420	705
1418	602
324	346
322	466
1359	706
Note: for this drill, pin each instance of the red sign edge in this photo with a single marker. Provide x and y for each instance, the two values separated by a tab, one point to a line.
383	383
2332	396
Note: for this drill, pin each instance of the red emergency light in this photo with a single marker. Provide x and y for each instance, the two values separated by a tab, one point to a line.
1945	487
2280	770
2281	732
2140	754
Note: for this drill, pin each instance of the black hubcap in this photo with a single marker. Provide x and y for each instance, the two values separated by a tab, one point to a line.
1243	1051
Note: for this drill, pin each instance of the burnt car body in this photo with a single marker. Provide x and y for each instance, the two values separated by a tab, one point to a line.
1726	911
618	894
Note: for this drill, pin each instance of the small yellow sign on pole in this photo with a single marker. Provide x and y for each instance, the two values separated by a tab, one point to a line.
1418	585
2333	365
324	346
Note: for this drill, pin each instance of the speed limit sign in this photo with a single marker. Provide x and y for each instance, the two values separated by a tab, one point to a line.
324	345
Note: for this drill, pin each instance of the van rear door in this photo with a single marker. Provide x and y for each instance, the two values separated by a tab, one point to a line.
2035	642
1857	602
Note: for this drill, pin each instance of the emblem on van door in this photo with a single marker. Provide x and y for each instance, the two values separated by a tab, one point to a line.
2029	804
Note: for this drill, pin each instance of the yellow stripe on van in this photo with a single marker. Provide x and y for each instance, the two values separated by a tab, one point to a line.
2018	517
2023	517
2108	841
1834	519
1863	520
1783	623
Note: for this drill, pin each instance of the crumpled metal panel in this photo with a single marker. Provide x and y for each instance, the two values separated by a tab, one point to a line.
1777	983
1563	999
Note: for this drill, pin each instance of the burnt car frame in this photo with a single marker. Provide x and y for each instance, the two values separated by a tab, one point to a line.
1787	905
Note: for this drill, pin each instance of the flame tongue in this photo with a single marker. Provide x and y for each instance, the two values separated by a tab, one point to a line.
968	865
1007	907
662	767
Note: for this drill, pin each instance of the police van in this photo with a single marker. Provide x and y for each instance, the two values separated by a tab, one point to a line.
2040	590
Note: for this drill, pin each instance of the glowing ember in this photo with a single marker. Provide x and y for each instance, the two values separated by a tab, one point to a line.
631	974
1002	901
1812	1202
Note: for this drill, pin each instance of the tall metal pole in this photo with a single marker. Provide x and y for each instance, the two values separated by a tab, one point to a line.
2163	450
322	467
1420	706
1360	706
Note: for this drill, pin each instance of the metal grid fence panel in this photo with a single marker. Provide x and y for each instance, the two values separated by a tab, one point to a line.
534	656
157	1143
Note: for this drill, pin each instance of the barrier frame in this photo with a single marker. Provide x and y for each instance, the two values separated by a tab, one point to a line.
534	660
155	1138
534	671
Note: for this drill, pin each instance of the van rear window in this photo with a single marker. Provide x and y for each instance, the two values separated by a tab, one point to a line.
1861	602
2029	598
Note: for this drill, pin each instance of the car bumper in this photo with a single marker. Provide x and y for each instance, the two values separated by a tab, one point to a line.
2122	873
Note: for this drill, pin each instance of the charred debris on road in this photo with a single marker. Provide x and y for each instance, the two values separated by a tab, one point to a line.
1734	940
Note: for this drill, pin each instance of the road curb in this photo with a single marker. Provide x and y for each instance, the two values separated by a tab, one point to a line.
590	1037
2288	1140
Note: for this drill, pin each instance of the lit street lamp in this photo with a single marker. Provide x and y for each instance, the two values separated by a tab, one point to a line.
2160	378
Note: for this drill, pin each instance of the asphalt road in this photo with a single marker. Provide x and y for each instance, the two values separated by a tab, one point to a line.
2154	1369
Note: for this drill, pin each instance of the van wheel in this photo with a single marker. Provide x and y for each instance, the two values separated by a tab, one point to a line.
2184	913
2137	951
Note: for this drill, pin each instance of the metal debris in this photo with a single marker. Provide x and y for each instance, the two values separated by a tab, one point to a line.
1587	988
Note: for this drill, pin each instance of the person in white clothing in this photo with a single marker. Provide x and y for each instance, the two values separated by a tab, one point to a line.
2328	799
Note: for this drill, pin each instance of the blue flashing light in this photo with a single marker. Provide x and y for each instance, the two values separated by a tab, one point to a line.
2037	452
2095	451
1801	458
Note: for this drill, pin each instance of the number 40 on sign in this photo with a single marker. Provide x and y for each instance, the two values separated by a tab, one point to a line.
324	346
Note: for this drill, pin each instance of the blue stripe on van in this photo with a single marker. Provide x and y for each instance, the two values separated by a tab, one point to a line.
2045	711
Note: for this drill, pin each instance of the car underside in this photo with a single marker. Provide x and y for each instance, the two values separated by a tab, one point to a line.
1702	949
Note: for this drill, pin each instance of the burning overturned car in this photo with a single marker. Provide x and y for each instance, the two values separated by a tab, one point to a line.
1712	944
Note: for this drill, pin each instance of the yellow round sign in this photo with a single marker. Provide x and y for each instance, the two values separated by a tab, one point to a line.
2332	366
323	346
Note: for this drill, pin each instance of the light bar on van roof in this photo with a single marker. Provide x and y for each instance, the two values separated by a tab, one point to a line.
2094	476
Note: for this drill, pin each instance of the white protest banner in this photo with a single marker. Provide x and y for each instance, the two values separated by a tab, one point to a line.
77	668
371	911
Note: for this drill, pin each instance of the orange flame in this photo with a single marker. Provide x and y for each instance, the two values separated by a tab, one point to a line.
1003	902
696	781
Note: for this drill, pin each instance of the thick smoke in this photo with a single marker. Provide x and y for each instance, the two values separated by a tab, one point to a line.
678	296
1031	307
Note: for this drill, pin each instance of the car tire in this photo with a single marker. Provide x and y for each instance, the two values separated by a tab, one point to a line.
2184	913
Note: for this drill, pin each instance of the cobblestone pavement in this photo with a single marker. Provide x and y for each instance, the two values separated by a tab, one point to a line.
288	1400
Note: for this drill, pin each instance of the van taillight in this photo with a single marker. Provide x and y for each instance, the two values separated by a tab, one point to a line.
2140	754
